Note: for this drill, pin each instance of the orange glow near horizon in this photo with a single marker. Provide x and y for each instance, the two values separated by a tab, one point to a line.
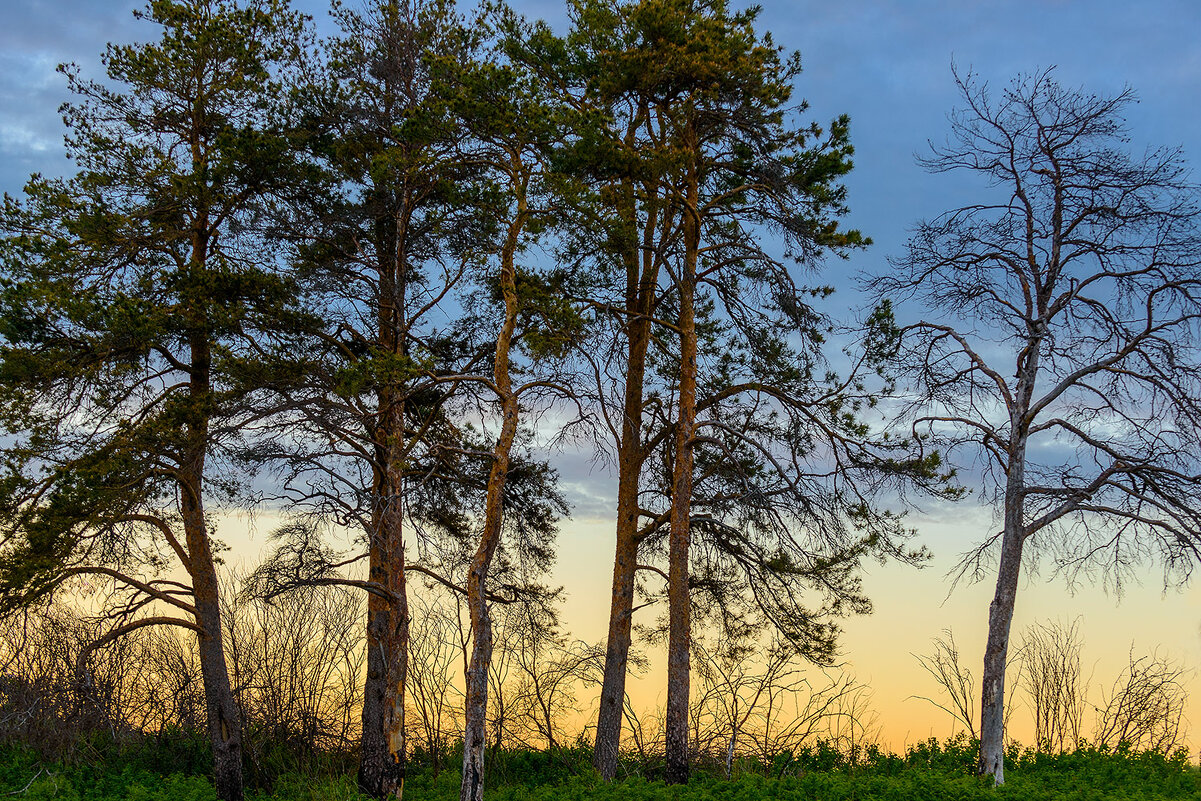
911	608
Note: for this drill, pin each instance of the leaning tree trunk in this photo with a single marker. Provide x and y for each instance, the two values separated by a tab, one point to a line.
476	704
1000	620
472	788
679	616
224	721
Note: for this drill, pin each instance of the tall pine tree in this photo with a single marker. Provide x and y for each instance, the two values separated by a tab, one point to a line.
133	296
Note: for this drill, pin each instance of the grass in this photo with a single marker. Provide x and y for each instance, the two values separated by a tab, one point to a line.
929	770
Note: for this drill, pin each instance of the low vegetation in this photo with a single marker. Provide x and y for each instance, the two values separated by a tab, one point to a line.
927	770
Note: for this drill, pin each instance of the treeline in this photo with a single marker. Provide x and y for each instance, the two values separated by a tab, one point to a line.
296	672
372	280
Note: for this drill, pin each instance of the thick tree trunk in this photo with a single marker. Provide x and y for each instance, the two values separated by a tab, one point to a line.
679	634
382	756
383	748
625	562
617	648
642	278
472	788
224	720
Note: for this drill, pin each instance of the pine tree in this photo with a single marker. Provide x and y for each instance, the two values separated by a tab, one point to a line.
135	296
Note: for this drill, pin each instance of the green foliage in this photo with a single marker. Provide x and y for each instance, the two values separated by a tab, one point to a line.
134	294
927	770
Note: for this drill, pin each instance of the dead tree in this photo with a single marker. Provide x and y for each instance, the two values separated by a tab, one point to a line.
1060	351
1144	709
955	681
1051	676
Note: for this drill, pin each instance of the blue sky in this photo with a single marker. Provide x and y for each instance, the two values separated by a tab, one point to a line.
887	64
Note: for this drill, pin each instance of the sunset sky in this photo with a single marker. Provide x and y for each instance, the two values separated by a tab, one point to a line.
887	65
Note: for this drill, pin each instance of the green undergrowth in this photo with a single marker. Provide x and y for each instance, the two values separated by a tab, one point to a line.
929	770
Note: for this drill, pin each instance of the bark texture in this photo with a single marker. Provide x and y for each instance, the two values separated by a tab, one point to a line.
224	720
679	635
1000	611
383	748
996	652
382	759
641	286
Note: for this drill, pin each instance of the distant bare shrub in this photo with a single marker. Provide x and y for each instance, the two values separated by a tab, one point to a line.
1050	656
760	702
955	681
295	664
1144	708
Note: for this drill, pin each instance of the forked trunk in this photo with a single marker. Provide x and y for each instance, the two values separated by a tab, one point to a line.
642	279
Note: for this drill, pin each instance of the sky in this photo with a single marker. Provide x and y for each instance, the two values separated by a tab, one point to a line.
888	66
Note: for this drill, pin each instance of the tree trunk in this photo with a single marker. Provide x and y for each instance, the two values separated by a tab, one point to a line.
1000	619
640	295
1013	538
382	754
625	562
476	711
224	720
472	788
679	635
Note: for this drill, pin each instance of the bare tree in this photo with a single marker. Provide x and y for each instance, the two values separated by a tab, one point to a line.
544	670
432	691
296	664
146	682
1063	355
1144	709
954	679
759	701
1051	676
